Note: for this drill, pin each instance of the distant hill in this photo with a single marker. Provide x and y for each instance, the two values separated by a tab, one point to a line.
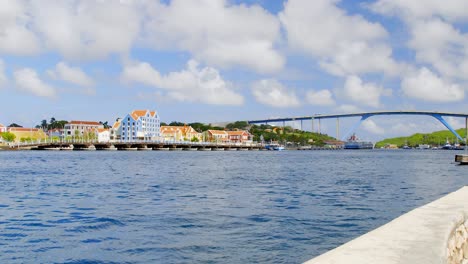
435	139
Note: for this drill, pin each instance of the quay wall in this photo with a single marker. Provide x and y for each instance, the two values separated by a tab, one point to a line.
434	233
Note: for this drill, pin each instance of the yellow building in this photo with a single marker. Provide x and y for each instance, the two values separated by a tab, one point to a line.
179	133
27	133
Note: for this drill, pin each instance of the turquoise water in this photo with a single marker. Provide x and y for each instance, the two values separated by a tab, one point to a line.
208	207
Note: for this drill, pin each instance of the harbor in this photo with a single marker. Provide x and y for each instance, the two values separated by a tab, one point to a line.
210	206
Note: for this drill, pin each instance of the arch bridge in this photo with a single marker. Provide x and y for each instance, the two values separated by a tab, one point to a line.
365	115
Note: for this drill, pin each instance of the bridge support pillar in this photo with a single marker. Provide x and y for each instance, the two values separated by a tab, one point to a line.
312	124
319	127
447	125
337	128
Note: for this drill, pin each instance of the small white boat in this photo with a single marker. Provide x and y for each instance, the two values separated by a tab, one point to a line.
162	149
70	147
217	149
52	148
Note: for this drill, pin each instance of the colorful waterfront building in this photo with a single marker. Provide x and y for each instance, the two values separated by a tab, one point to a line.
80	128
56	132
140	125
180	133
216	136
240	136
23	133
116	130
3	128
103	135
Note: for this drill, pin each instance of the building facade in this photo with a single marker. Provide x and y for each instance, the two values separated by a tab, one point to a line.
140	125
103	135
3	128
240	136
179	133
220	136
23	133
116	130
81	128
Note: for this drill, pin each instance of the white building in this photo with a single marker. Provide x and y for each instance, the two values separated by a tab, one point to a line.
103	135
79	128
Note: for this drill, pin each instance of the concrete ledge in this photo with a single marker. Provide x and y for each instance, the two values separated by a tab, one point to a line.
434	233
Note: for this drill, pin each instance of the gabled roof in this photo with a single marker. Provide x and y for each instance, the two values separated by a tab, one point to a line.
116	125
100	130
89	123
171	128
217	132
240	133
139	113
1	125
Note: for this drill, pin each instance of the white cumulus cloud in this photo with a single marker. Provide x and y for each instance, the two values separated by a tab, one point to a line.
27	80
364	93
86	29
273	93
436	32
427	86
217	32
71	74
344	44
452	10
193	84
372	127
15	36
322	97
347	108
3	78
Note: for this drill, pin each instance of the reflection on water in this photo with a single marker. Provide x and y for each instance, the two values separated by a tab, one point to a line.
153	207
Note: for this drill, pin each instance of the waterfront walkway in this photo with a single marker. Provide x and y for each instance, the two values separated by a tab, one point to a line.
135	145
434	233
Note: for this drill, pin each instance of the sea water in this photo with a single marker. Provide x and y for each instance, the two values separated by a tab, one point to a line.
207	207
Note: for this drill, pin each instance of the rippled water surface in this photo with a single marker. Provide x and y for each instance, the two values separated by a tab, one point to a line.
210	207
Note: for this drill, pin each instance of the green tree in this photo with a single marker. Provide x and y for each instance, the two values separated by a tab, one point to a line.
194	139
14	125
238	125
8	136
104	124
175	123
44	124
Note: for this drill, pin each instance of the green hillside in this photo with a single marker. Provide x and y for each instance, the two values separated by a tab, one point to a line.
435	139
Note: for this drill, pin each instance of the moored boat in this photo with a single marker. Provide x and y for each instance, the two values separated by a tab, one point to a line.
355	143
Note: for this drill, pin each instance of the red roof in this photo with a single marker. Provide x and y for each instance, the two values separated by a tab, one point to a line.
139	113
25	129
90	123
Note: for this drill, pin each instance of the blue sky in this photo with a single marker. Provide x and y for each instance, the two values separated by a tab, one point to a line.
221	60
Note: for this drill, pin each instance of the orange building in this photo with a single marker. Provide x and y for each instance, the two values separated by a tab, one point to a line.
179	133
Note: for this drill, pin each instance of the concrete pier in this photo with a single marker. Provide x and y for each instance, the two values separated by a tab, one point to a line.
434	233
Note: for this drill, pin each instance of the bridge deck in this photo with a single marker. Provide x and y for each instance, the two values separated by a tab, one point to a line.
319	116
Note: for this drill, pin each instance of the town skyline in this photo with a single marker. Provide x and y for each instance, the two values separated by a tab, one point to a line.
225	61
